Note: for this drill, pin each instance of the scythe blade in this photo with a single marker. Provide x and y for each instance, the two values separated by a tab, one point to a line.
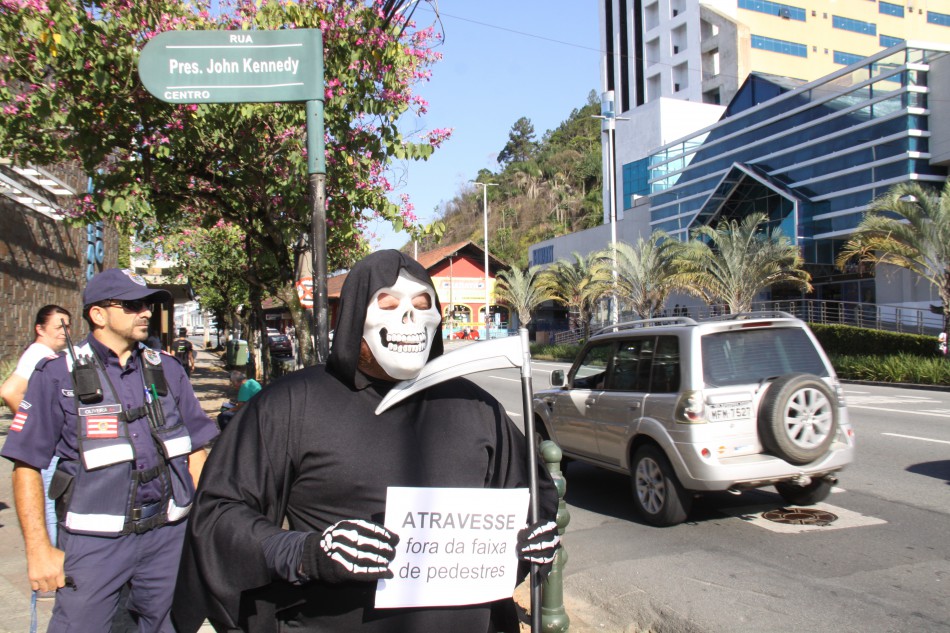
499	353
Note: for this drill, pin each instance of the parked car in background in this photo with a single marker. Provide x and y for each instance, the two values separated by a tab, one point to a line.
199	330
280	346
683	406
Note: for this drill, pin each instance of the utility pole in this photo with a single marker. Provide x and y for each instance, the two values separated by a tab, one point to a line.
485	186
609	127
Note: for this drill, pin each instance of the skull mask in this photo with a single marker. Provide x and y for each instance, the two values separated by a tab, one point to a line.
401	322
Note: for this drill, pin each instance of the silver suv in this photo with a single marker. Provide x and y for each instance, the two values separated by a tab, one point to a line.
728	403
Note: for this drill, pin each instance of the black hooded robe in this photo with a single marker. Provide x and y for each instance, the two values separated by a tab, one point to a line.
310	450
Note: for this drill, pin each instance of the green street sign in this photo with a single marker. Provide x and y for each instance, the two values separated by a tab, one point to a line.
234	66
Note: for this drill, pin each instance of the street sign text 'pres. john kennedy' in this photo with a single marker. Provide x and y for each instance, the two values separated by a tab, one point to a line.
234	66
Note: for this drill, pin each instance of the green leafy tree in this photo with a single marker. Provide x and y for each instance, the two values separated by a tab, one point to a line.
735	261
522	290
521	145
71	92
645	273
579	285
556	191
214	261
908	227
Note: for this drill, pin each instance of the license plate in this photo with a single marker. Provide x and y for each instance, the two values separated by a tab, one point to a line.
730	411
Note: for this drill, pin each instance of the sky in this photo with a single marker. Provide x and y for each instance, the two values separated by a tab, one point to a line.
501	60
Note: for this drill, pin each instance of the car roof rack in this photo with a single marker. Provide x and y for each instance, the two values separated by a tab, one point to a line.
642	323
756	314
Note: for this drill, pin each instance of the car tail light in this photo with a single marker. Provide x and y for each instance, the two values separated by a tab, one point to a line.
690	408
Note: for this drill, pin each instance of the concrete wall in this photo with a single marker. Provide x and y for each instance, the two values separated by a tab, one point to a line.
939	85
42	261
897	286
635	224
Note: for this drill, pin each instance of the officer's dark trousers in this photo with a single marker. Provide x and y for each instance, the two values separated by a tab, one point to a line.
100	567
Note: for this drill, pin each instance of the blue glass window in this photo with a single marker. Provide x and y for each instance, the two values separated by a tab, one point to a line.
846	59
636	177
774	8
543	255
779	46
887	41
938	18
890	9
850	24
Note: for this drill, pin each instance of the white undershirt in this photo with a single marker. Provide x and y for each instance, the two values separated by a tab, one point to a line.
33	355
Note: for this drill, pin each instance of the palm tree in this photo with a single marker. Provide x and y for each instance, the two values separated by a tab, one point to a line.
522	291
645	272
579	285
734	262
918	239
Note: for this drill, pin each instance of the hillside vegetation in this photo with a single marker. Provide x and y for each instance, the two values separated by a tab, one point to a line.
545	188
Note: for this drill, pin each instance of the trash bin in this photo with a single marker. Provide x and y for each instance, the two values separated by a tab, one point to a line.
230	349
240	353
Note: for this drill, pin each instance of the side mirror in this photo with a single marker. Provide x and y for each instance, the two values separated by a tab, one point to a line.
557	378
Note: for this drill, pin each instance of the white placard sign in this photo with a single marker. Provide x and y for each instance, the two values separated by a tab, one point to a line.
456	546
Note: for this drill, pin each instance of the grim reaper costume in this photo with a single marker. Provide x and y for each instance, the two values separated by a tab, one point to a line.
309	453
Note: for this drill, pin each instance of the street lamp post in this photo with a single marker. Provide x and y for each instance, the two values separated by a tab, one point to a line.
609	127
485	186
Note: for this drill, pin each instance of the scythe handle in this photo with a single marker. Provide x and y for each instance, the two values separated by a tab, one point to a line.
527	397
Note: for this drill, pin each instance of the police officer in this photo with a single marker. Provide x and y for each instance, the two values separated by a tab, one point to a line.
129	433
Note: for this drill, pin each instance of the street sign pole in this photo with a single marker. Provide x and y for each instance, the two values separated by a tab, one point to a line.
317	168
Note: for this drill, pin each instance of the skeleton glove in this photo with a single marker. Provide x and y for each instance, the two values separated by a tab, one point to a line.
350	550
538	543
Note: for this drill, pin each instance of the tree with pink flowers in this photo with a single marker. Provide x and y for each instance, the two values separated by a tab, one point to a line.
70	91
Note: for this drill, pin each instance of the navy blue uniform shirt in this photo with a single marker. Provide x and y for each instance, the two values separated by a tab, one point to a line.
46	422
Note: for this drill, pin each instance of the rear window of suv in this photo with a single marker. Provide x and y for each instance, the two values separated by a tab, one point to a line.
738	357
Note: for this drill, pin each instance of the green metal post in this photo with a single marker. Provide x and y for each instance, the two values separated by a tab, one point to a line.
554	618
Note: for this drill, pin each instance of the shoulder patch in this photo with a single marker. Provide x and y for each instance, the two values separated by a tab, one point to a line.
18	421
152	357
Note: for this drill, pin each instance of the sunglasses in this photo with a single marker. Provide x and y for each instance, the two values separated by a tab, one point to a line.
129	305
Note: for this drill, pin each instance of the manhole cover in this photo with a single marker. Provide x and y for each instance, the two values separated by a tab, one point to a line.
800	516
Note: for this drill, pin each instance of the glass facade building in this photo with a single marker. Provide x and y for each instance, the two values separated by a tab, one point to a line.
811	157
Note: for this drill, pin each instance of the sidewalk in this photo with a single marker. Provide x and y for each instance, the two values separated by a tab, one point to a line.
210	381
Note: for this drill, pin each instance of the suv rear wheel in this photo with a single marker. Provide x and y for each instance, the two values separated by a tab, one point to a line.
659	497
798	418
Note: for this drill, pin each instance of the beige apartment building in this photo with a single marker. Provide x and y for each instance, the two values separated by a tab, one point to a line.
702	51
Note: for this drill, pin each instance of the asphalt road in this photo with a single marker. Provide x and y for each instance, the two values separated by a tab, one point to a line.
883	565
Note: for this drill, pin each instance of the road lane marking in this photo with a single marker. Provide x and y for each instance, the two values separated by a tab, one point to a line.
889	400
517	415
506	378
858	406
914	437
846	519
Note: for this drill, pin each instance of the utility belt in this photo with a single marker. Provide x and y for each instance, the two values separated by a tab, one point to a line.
138	519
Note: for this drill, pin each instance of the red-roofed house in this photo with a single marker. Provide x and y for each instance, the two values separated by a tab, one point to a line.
458	272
